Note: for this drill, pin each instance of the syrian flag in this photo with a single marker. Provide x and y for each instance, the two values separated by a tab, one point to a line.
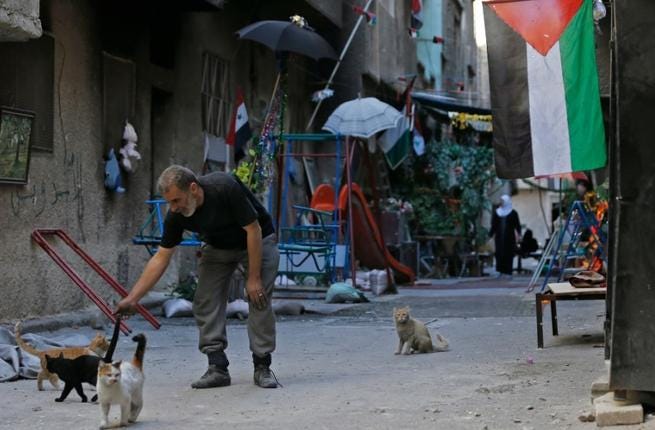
417	15
545	99
240	131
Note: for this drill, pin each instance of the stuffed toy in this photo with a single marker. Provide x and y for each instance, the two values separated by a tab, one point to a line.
129	154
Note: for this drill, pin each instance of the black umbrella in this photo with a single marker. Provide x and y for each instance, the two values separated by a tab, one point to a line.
288	36
284	36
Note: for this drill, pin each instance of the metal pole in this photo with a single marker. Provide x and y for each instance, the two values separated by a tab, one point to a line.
337	188
281	215
614	192
266	119
351	225
560	203
336	66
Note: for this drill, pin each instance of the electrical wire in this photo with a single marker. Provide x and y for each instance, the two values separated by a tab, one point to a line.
542	188
61	116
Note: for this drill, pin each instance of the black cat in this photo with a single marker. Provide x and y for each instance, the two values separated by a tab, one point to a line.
81	369
74	372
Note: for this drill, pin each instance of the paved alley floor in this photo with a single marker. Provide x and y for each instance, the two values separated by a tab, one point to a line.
339	371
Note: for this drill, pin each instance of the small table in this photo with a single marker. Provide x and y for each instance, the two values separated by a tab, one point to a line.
561	291
441	250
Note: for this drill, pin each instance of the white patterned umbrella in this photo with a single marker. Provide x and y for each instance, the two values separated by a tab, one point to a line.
362	118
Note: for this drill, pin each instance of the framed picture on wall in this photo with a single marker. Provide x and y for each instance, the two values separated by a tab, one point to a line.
15	137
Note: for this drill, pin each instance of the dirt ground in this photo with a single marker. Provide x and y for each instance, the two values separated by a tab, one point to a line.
339	371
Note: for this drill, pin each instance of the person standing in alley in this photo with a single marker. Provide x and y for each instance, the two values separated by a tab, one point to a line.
506	231
235	228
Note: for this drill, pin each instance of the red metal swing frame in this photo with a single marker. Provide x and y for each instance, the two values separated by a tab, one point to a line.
38	236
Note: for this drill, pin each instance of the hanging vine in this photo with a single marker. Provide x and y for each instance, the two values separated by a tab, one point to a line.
258	169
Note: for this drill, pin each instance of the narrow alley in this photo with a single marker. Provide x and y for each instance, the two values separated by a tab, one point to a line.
339	370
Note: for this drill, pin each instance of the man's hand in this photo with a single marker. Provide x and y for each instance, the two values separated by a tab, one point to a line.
256	294
126	307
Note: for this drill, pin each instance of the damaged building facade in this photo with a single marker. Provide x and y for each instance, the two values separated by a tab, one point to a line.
82	69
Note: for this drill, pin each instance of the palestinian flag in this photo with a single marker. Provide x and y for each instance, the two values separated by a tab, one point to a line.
396	143
240	132
545	99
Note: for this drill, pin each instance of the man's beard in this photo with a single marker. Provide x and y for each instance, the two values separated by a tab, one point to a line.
191	206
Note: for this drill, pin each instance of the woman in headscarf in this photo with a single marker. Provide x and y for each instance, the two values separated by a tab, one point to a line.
506	229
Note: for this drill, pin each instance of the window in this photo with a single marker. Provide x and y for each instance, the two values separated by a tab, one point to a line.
27	83
214	91
118	89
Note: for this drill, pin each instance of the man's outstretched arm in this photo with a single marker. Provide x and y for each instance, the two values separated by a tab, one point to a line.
154	269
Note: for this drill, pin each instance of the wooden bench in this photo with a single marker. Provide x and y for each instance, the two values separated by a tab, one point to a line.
561	291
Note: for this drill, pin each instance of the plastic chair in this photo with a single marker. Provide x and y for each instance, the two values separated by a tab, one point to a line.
323	198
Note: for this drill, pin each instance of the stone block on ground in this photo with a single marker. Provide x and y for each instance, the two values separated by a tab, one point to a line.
600	387
610	412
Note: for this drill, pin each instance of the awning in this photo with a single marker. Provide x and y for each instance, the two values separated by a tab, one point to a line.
463	103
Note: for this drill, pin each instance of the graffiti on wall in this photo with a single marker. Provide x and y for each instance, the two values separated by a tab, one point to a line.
31	202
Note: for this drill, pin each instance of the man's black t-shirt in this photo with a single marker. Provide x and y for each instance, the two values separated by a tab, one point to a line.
227	207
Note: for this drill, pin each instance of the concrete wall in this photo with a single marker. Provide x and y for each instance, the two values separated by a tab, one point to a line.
389	52
429	53
19	20
482	73
460	49
377	56
603	53
252	67
384	52
65	188
527	204
331	9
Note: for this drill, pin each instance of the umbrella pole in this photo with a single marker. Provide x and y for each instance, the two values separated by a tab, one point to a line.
281	160
277	83
560	203
336	66
268	112
351	226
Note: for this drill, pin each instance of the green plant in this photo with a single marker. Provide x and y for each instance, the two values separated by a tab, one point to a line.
186	288
447	187
603	190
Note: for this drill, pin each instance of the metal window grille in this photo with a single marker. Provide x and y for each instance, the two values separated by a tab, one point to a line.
215	97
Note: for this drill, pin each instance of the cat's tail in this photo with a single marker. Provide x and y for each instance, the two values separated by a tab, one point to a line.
440	343
24	345
137	360
109	355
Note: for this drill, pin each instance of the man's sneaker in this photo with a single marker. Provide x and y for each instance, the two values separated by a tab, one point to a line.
264	377
213	377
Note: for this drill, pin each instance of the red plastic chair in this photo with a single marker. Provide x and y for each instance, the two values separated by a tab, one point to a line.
323	198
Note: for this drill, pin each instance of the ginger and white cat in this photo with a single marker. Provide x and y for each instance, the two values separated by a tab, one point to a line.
414	335
121	383
98	347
